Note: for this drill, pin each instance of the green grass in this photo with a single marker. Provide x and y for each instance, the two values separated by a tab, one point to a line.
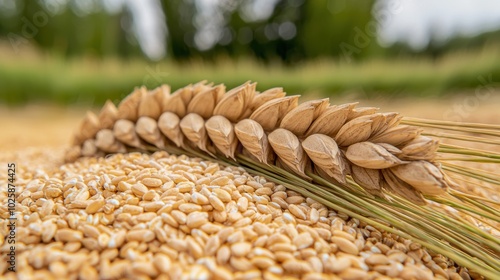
27	76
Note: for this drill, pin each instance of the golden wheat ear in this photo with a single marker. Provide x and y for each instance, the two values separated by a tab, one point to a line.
207	118
336	153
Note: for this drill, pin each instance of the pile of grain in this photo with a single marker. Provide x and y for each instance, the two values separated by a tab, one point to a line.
160	216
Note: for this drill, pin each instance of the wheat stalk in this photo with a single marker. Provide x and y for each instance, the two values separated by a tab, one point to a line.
365	152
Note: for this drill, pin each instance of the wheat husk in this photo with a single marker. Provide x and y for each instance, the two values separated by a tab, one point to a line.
331	120
254	139
193	127
420	148
268	95
174	103
105	141
236	102
367	178
391	119
391	149
128	108
270	114
221	132
124	131
197	88
354	131
168	123
89	148
288	148
204	102
150	105
361	111
89	127
108	115
300	118
147	129
397	186
423	176
371	155
397	135
324	152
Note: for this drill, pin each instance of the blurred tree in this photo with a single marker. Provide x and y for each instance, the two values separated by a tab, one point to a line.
180	26
337	28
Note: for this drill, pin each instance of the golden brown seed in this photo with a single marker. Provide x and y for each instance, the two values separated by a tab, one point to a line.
196	219
141	235
345	245
303	240
240	249
95	206
297	212
68	235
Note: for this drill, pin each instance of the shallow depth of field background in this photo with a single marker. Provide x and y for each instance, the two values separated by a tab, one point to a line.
59	58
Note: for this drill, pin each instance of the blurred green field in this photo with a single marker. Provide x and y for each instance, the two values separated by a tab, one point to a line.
43	78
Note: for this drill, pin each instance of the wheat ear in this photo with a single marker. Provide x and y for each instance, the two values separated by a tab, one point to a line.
274	129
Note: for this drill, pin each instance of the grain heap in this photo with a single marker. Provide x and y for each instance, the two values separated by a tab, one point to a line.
143	216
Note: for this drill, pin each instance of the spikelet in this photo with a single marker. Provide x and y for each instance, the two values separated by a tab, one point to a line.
174	103
331	120
108	115
221	131
105	141
395	185
325	154
203	103
235	103
150	105
89	148
169	124
128	108
147	129
298	120
354	131
193	127
254	139
367	178
397	135
420	148
270	114
89	126
287	146
268	95
124	131
361	111
370	155
423	176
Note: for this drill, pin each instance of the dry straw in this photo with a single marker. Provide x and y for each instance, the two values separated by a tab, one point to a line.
354	160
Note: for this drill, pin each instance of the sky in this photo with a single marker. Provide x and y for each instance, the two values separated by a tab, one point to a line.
417	21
